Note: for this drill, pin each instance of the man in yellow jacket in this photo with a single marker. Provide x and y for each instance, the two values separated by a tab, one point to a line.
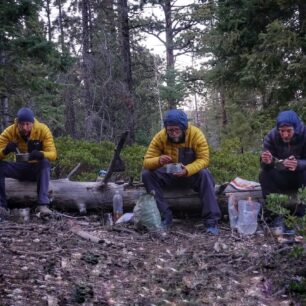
181	142
28	135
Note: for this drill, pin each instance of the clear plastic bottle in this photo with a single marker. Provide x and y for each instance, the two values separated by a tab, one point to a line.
232	207
247	216
117	205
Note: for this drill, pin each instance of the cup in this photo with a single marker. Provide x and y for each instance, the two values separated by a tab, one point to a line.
24	214
174	168
22	157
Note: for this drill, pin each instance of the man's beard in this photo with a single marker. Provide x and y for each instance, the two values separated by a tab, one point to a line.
179	139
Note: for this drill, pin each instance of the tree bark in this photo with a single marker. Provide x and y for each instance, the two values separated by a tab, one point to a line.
60	21
86	69
223	106
83	196
127	69
169	50
48	12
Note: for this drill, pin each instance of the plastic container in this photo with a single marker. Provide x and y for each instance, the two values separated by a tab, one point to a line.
174	168
247	216
117	206
232	206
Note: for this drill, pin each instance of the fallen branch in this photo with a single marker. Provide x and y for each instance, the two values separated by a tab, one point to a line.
23	252
73	171
83	234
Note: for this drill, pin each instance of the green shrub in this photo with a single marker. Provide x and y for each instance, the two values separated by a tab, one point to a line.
225	165
133	159
93	156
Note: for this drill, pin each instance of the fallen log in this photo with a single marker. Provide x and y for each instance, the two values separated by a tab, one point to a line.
80	197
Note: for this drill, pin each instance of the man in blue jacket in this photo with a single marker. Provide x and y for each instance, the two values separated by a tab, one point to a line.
283	159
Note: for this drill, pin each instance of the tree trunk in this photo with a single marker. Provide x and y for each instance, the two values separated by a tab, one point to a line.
60	21
4	111
69	112
302	23
49	28
127	70
169	50
86	68
223	107
82	196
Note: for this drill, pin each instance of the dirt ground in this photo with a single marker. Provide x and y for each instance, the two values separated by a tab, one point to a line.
45	262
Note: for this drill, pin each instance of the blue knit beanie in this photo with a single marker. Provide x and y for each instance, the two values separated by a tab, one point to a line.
25	115
289	118
176	117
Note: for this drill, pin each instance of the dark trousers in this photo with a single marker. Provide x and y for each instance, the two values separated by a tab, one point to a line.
24	171
201	182
275	181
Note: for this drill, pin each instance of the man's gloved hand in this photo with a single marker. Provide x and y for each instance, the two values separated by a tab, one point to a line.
36	155
10	147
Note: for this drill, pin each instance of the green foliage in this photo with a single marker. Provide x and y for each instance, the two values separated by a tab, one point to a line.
226	164
298	286
133	158
277	202
302	195
92	156
257	46
175	88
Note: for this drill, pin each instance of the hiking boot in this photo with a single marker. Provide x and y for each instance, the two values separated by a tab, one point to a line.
279	228
165	224
4	213
213	230
167	220
44	211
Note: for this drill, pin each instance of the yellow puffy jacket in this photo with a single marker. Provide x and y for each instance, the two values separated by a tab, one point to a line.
194	139
40	132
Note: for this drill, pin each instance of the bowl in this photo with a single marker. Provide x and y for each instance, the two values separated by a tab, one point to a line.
174	168
22	157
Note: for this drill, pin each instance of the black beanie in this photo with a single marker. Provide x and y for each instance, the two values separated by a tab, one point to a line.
25	115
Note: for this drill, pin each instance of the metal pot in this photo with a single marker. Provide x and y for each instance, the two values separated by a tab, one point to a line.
22	157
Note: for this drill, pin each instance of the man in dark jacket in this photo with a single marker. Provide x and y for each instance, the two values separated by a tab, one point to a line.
182	142
283	159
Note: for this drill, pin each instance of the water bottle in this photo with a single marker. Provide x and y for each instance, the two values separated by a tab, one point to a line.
232	207
247	216
117	206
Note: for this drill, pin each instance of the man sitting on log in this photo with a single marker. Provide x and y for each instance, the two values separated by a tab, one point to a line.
27	135
181	142
283	160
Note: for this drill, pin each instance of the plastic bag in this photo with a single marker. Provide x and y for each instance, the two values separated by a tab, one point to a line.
146	213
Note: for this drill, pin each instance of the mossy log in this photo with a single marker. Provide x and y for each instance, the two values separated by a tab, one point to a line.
69	195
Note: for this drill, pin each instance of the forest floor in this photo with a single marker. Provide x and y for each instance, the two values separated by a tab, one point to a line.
45	262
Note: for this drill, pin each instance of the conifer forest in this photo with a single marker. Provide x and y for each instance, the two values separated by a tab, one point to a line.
94	69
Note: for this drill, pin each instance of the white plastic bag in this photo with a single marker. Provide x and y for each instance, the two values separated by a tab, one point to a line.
146	213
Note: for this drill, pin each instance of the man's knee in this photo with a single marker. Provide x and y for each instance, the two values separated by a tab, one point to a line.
3	166
206	175
44	164
146	175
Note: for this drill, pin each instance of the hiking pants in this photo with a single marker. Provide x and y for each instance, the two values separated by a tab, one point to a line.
276	181
25	171
201	182
282	182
